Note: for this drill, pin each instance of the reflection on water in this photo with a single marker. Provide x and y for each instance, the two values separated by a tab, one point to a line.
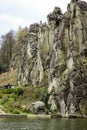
42	124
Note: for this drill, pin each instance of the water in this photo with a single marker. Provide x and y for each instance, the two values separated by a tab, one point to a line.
42	124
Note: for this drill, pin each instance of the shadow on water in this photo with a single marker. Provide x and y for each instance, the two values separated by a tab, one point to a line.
42	124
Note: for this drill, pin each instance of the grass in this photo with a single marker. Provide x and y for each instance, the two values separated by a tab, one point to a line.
18	100
8	78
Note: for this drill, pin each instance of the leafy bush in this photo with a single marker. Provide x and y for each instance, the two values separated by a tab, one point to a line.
15	97
2	66
16	111
35	95
1	95
8	91
43	91
19	91
4	100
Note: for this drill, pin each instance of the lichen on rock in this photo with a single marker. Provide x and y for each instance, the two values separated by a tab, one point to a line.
55	54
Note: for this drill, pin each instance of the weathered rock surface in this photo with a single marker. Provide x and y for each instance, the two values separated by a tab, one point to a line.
37	107
55	54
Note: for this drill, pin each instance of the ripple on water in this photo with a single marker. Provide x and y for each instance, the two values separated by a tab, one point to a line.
43	124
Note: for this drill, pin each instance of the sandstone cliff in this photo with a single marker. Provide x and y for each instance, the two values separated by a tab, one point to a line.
55	54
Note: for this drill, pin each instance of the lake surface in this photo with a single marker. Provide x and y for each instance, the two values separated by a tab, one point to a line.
42	124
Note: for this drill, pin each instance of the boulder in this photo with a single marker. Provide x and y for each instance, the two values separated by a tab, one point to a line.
37	107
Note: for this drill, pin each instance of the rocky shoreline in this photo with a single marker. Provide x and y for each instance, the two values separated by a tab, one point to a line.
44	116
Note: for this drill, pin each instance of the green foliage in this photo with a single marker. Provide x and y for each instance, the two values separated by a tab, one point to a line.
1	95
7	42
2	66
19	91
4	100
43	92
39	93
18	100
21	33
35	95
43	89
8	91
15	111
10	109
15	97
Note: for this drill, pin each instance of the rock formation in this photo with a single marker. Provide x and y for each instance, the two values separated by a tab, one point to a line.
37	107
55	54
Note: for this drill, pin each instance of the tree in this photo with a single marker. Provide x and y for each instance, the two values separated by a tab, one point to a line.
21	33
7	42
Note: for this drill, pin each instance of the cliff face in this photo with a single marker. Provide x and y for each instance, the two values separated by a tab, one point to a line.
55	54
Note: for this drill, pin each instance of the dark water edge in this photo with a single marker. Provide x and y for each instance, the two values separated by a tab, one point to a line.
24	123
